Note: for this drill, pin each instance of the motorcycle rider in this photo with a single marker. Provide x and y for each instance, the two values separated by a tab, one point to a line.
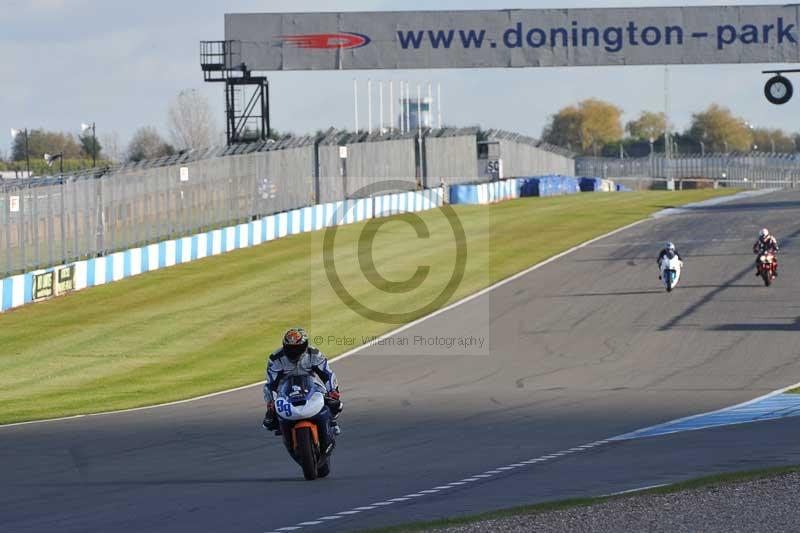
669	248
766	243
297	358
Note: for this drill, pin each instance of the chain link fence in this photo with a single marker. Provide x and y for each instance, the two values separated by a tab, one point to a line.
50	221
57	220
731	170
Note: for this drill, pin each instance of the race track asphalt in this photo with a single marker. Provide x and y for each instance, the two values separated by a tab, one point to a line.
585	348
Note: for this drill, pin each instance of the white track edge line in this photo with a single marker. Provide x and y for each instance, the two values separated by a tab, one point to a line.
637	489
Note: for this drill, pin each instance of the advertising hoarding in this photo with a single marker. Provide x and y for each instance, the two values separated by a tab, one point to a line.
513	38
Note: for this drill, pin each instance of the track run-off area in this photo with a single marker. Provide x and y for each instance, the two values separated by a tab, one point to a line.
581	350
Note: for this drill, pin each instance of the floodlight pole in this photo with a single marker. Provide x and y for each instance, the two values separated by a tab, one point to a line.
391	106
85	127
380	104
94	147
60	157
27	153
439	103
369	106
355	104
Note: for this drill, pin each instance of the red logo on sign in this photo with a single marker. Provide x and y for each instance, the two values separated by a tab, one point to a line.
327	41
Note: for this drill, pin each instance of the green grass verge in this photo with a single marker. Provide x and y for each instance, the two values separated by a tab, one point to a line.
209	325
698	483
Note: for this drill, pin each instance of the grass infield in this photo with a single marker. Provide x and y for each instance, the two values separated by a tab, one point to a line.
209	325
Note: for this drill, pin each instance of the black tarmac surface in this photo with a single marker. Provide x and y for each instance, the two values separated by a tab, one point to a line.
585	348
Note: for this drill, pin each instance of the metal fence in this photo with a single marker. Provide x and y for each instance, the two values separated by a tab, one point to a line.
524	156
732	170
75	217
50	221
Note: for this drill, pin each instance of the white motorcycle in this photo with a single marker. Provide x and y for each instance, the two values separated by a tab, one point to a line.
305	421
671	270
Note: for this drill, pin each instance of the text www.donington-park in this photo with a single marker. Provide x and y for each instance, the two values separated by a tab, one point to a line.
612	38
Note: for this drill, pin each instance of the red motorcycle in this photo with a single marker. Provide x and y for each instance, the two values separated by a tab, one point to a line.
767	265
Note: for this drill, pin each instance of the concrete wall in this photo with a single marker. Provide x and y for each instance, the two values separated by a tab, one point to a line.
382	159
522	159
370	163
453	158
331	182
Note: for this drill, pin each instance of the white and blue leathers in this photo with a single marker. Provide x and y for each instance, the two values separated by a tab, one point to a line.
312	362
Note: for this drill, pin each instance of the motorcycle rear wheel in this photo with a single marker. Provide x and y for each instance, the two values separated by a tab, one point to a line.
306	454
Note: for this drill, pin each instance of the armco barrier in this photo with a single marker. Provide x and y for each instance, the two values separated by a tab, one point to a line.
498	191
485	193
591	184
464	194
19	290
549	186
596	185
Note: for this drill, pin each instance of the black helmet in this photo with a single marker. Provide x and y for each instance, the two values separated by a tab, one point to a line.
295	343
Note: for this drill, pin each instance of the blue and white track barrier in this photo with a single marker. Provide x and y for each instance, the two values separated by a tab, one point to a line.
16	291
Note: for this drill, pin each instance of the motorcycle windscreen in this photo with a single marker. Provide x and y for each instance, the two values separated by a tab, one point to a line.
299	388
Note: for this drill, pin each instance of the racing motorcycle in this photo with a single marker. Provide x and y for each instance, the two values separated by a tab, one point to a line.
767	264
305	422
671	270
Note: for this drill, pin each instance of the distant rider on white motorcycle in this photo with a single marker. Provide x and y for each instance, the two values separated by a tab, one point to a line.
668	249
766	243
297	358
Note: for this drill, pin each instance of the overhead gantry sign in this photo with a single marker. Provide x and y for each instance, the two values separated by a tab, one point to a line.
513	38
517	38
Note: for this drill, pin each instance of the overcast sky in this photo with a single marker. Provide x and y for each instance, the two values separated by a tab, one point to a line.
119	62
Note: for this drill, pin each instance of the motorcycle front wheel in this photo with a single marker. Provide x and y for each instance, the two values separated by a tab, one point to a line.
324	469
305	453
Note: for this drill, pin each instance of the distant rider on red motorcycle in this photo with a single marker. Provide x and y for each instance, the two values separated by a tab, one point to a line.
297	358
766	243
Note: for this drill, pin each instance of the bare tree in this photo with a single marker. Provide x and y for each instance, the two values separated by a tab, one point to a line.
112	147
191	122
148	144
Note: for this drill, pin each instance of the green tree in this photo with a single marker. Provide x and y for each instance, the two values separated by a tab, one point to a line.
564	129
41	141
648	126
769	140
90	146
585	128
601	124
720	130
